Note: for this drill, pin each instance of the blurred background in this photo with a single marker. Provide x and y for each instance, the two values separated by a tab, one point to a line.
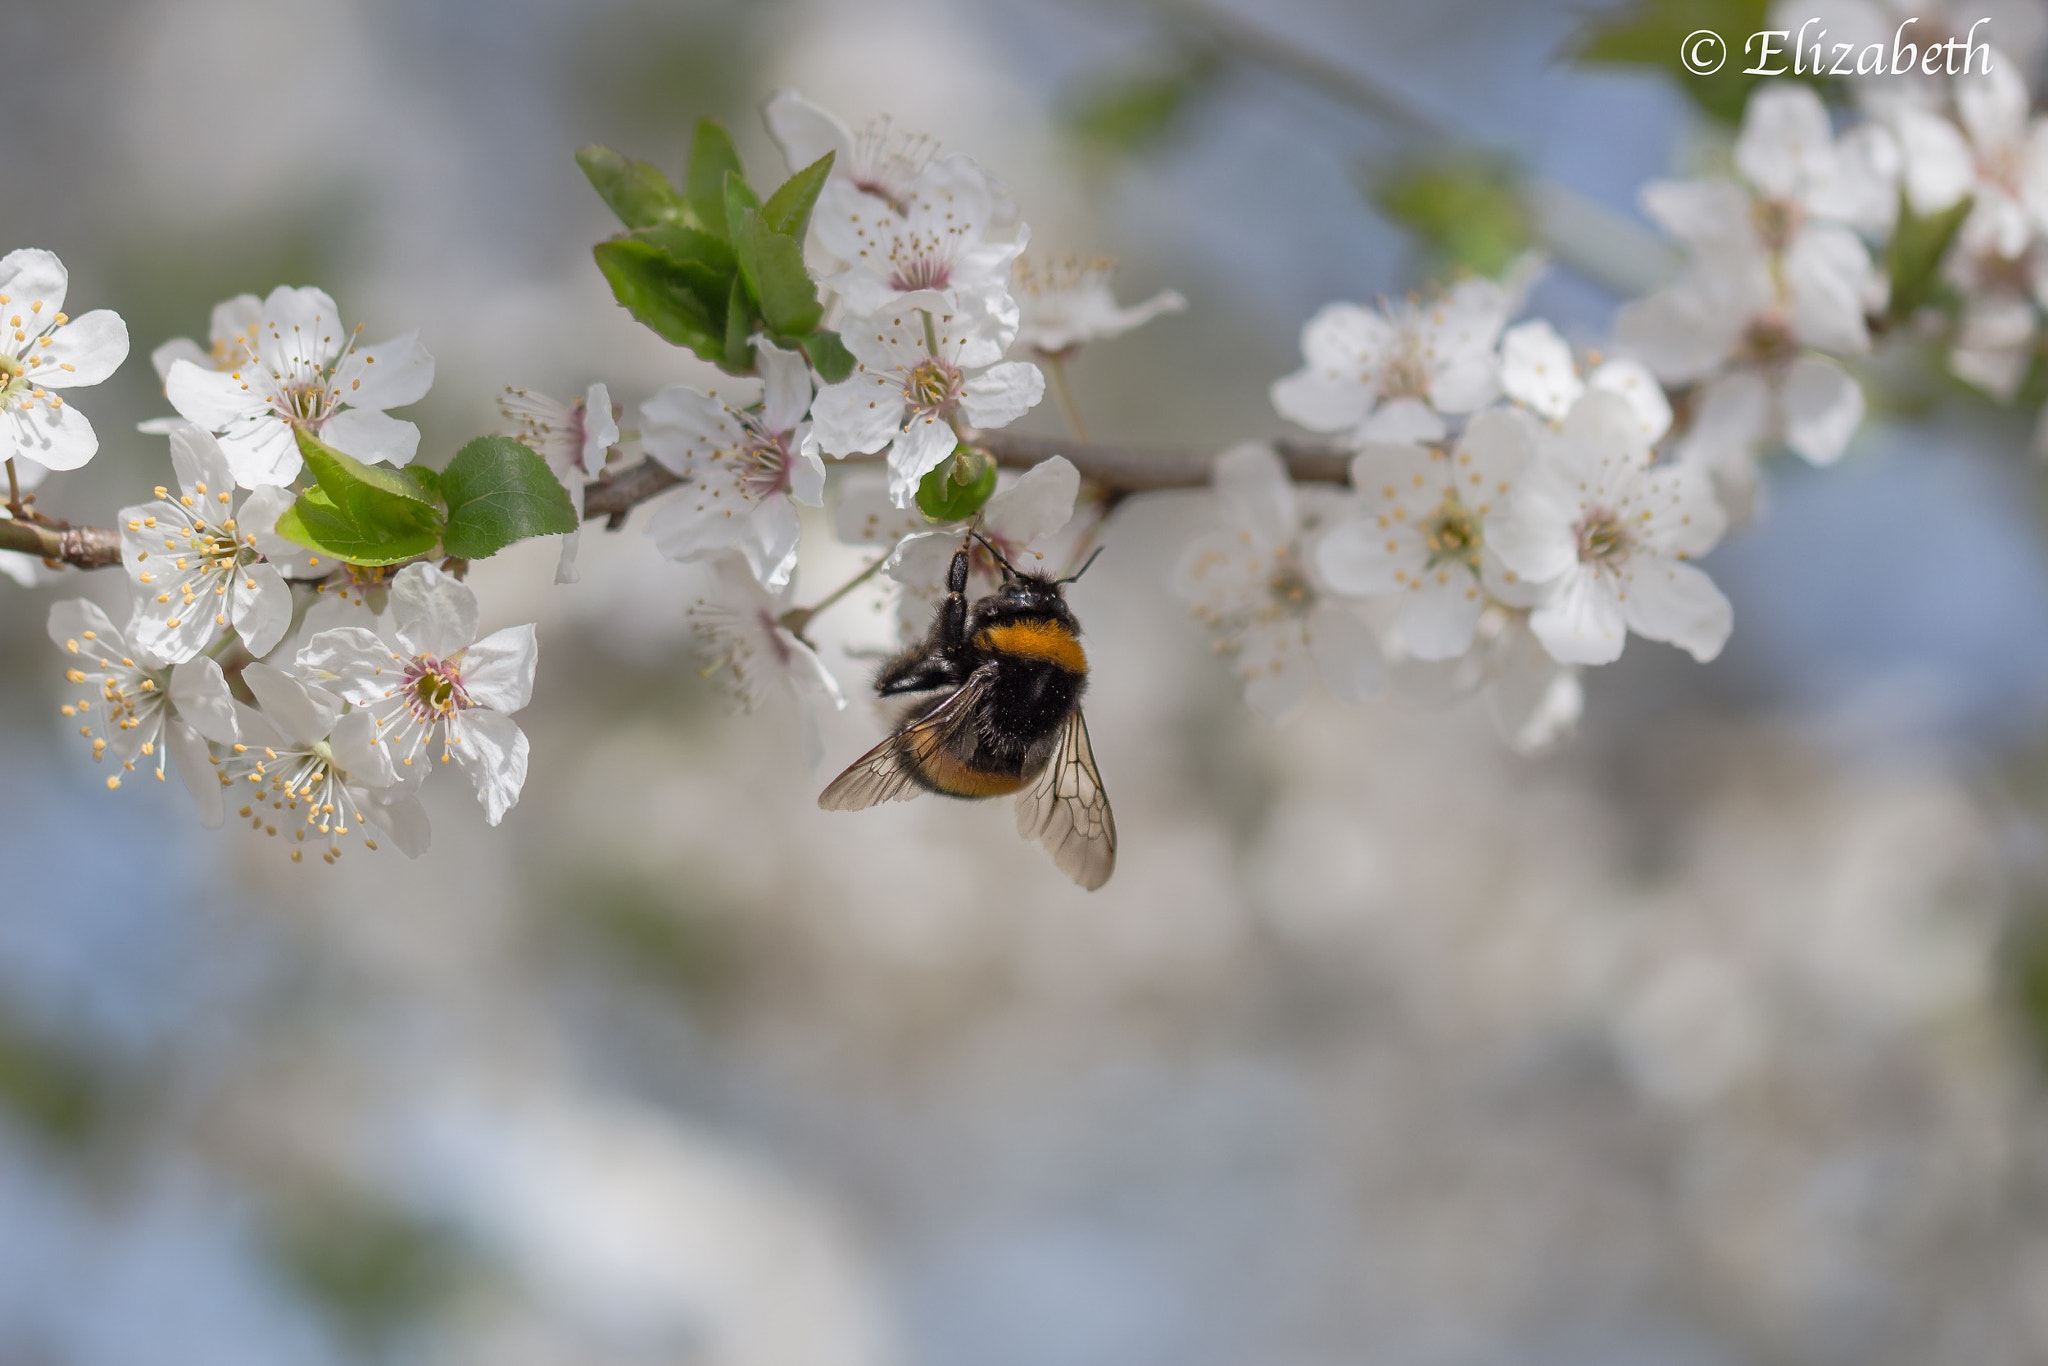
1714	1036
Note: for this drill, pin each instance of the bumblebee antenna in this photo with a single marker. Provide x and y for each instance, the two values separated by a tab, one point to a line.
1075	576
1008	568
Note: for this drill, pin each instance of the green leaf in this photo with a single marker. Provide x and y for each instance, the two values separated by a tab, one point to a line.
958	488
739	329
1467	207
740	200
688	246
773	267
827	354
636	191
363	514
712	158
1913	257
1139	109
1654	33
499	492
788	210
662	294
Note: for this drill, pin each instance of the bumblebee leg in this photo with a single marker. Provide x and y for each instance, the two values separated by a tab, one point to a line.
942	660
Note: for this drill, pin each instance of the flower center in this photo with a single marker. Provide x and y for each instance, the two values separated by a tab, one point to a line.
14	380
307	402
764	466
1289	586
1769	341
921	269
1602	538
1452	535
433	688
1777	222
931	385
1405	375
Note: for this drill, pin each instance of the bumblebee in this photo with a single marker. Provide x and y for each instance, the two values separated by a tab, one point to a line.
1009	671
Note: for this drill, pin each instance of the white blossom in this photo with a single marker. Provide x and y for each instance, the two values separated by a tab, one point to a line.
1021	520
878	161
943	236
1605	538
196	559
1251	581
574	438
231	344
42	351
748	651
135	707
919	366
1065	303
744	463
1418	531
1537	370
1392	373
304	762
433	679
308	375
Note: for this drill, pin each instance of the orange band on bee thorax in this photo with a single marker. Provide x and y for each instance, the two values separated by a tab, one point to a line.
1046	640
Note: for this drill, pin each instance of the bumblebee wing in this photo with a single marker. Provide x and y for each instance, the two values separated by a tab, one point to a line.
888	772
1067	811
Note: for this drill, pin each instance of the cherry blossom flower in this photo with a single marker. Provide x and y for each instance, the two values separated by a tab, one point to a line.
1778	276
1418	531
1606	537
1022	521
1392	373
433	680
196	559
919	366
574	438
878	161
1065	303
1538	371
133	706
308	375
303	762
745	465
943	237
750	653
231	345
1251	581
43	350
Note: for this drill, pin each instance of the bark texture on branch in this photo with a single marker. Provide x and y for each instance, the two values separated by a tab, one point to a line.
1119	469
81	547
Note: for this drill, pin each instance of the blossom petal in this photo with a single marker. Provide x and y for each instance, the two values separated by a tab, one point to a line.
353	661
1357	558
492	750
806	476
1536	368
199	463
1640	388
57	438
304	712
434	613
785	386
1402	419
80	627
1038	504
1581	621
370	436
922	448
1002	393
1787	142
262	607
355	748
806	132
191	758
199	690
400	815
212	398
1252	484
497	671
298	333
1671	601
1823	407
1827	281
1312	399
390	374
83	351
1438	615
1939	166
29	276
859	415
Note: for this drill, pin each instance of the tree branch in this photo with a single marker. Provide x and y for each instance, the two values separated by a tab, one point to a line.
81	547
1119	469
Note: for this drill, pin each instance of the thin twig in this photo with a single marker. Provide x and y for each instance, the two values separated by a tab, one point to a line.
81	547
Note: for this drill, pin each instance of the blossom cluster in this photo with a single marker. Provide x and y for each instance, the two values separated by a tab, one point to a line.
1515	506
